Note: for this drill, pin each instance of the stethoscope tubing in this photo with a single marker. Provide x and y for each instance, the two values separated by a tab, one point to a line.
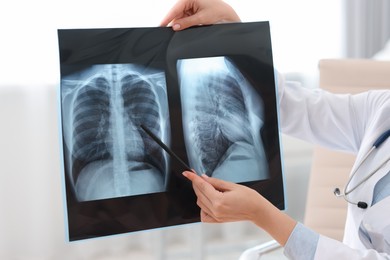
378	142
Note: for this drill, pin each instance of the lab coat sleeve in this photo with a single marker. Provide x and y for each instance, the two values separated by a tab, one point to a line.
328	248
335	121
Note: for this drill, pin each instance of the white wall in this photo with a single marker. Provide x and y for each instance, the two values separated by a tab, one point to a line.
303	31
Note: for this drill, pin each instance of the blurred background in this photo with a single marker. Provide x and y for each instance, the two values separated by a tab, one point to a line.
32	223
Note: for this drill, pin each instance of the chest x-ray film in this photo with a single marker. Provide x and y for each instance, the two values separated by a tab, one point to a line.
130	98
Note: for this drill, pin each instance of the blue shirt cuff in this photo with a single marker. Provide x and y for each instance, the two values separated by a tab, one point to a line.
302	243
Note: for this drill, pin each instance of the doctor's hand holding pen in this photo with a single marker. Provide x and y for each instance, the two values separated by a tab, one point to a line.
222	201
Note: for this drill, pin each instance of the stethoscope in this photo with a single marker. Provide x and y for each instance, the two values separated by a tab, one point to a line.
361	204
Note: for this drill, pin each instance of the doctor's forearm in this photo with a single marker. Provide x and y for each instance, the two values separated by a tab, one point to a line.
274	222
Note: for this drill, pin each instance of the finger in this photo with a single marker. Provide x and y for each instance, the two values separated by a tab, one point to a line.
197	182
203	200
203	190
204	207
206	218
218	184
191	175
188	21
174	13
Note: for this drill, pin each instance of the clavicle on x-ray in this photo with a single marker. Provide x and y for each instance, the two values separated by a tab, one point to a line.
110	155
222	119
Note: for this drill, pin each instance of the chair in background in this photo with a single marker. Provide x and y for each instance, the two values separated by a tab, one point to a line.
324	212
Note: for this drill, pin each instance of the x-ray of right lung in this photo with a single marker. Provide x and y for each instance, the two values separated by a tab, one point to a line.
222	116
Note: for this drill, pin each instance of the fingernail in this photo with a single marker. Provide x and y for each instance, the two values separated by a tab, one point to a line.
205	176
176	26
185	174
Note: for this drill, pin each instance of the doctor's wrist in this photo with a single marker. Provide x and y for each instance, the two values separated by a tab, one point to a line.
275	222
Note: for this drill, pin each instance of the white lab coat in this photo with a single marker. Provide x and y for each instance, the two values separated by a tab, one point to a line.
349	123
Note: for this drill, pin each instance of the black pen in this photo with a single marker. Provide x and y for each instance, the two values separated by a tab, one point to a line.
166	148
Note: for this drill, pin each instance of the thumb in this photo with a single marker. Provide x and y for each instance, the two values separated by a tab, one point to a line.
218	184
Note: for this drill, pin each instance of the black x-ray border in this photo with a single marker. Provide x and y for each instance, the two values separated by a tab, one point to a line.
248	45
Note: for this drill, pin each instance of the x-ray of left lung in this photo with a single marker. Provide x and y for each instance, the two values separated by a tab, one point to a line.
222	119
109	154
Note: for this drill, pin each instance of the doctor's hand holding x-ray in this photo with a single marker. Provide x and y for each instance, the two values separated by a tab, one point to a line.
359	124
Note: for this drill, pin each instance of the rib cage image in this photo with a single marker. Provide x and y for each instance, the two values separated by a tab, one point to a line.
222	119
90	124
110	155
218	104
141	107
